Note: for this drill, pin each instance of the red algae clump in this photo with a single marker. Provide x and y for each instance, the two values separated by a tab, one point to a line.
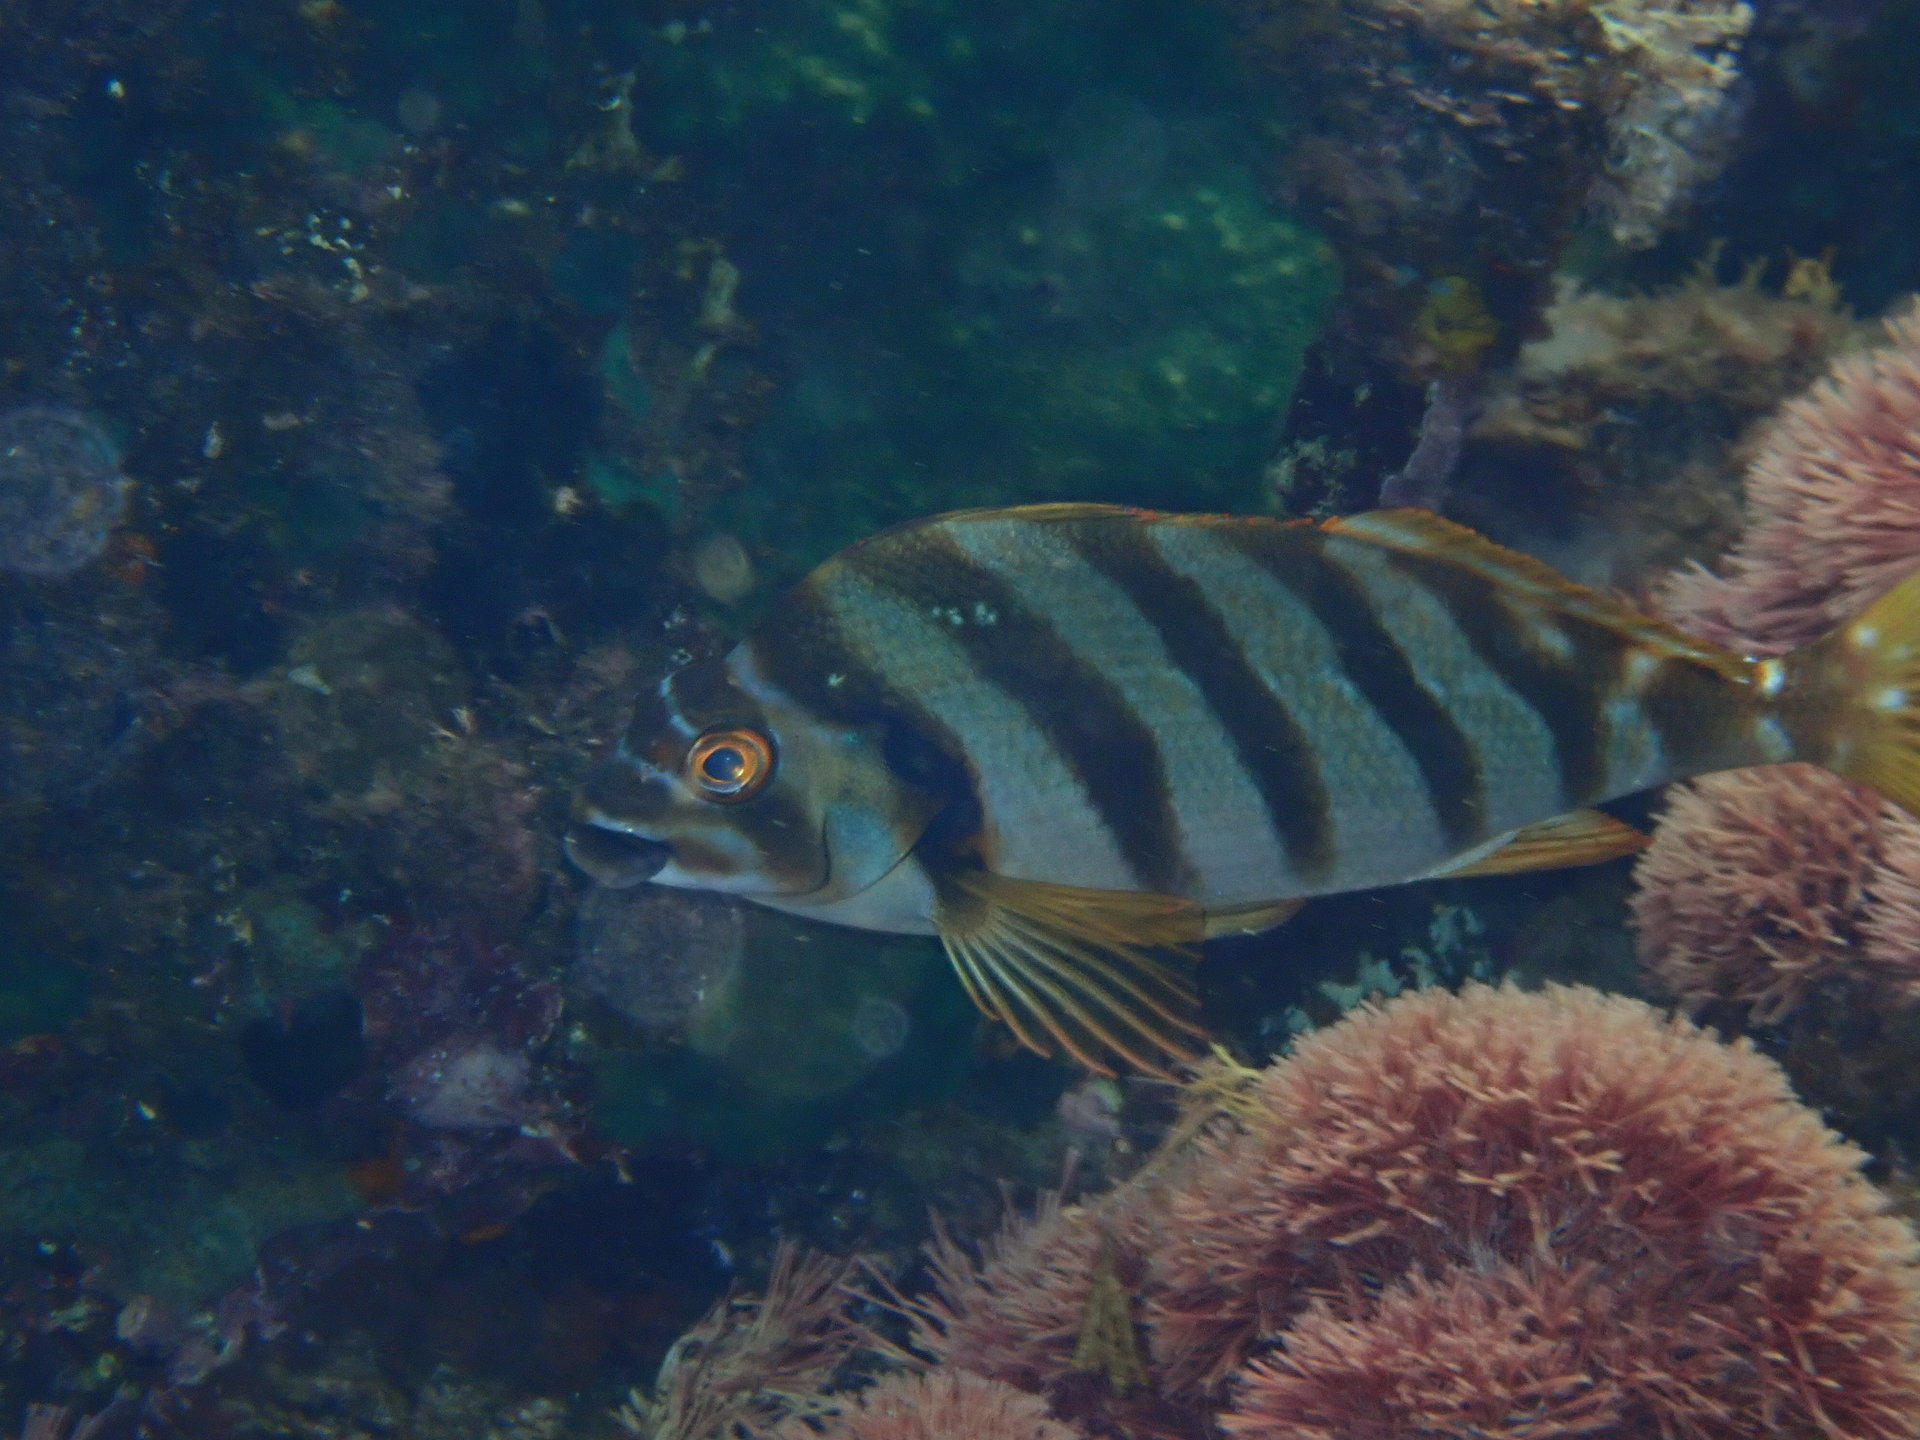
1833	504
949	1405
1016	1315
1762	885
1487	1214
1645	1230
1497	1356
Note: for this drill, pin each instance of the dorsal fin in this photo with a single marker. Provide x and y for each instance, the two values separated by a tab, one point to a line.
1421	532
1416	532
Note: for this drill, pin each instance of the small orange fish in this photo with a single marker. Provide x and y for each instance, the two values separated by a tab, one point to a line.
1074	740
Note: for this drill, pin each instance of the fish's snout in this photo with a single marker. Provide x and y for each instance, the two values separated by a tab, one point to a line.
613	857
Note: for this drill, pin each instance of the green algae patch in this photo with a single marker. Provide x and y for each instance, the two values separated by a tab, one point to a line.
182	1225
994	253
1146	347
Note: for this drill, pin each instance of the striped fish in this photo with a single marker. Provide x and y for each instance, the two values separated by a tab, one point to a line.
1074	740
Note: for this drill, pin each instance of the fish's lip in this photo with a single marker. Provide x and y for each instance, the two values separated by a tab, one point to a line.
645	850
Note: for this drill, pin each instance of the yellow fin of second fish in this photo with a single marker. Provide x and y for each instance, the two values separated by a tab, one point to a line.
1580	837
1867	674
1102	973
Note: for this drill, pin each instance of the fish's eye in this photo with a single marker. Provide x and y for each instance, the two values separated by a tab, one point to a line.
730	765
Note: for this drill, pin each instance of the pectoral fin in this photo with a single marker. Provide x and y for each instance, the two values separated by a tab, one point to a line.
1102	973
1580	837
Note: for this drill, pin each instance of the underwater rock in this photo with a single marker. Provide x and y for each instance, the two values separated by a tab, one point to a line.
1635	412
310	1053
879	1028
375	712
468	1084
75	702
658	956
61	490
428	983
457	1030
1443	141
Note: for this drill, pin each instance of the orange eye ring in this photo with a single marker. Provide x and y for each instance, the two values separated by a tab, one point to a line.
730	765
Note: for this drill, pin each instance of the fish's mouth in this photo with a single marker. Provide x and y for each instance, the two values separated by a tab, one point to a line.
615	858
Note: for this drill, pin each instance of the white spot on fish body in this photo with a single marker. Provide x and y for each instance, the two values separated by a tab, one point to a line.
1891	698
836	680
1642	666
1552	639
985	614
671	705
1865	637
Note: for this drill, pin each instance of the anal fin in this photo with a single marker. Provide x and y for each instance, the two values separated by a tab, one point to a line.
1101	973
1251	919
1580	837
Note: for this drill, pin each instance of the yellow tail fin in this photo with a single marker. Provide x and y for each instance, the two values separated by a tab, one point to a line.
1865	677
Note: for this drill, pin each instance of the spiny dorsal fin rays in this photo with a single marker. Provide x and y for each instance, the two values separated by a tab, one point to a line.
1083	966
1422	532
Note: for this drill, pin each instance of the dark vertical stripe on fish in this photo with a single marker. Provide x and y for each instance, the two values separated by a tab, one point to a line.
803	653
1371	660
1276	754
1703	721
1083	714
777	826
1568	693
